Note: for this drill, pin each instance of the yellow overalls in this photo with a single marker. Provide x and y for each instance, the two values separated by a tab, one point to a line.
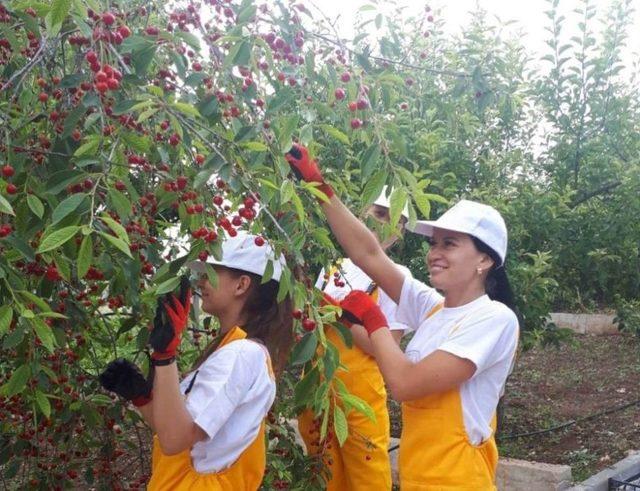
362	463
176	472
435	451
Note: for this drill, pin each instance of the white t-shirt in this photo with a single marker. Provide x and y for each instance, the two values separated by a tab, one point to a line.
483	331
356	279
230	398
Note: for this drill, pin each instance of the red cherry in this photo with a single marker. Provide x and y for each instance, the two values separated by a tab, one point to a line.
296	314
308	324
220	183
102	87
340	94
8	171
181	181
91	57
43	97
199	159
108	18
356	123
124	31
120	186
259	241
218	200
353	105
345	77
11	189
113	84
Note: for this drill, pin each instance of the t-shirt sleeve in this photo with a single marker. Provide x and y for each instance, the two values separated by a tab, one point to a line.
487	338
416	301
389	307
222	383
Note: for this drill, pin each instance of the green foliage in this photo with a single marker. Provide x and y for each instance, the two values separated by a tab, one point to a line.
628	315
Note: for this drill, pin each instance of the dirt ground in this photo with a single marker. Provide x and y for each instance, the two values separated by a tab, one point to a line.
551	386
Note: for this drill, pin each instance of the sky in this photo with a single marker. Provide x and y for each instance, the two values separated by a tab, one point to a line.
528	14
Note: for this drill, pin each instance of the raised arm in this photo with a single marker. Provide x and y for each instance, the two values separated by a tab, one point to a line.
356	239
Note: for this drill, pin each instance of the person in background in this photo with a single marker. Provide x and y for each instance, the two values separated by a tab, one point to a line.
362	462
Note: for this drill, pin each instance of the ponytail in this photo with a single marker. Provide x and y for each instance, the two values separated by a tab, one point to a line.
497	283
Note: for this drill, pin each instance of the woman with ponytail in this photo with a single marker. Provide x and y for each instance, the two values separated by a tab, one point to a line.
454	369
210	427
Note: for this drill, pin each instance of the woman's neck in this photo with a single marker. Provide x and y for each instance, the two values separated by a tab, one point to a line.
228	320
459	297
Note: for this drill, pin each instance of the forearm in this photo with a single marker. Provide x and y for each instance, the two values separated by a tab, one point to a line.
146	412
361	339
396	369
354	237
174	426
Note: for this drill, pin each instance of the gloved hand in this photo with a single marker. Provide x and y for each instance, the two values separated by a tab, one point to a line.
125	379
306	169
360	308
172	315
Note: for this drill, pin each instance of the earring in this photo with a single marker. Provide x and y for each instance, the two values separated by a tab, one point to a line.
479	270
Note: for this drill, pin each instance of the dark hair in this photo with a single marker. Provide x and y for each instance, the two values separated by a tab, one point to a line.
268	320
497	283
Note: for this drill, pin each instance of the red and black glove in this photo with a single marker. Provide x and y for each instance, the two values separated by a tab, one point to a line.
305	168
360	308
172	315
125	379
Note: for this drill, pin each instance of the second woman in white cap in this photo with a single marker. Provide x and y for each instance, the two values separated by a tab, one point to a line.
362	462
454	370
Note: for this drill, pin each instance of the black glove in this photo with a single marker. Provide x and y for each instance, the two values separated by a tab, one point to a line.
125	379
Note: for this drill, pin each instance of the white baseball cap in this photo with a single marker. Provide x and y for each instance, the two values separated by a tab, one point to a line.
481	221
383	200
241	252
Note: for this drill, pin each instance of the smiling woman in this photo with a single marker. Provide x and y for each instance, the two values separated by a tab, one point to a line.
456	365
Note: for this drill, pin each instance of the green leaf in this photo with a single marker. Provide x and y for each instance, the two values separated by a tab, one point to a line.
268	272
304	388
340	424
369	161
168	286
286	191
117	243
18	381
5	206
422	202
43	331
85	256
35	205
43	404
87	148
54	239
304	350
336	133
30	297
67	206
190	39
240	54
246	14
285	285
297	202
187	109
255	146
57	15
120	202
397	201
351	401
6	316
374	186
116	227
